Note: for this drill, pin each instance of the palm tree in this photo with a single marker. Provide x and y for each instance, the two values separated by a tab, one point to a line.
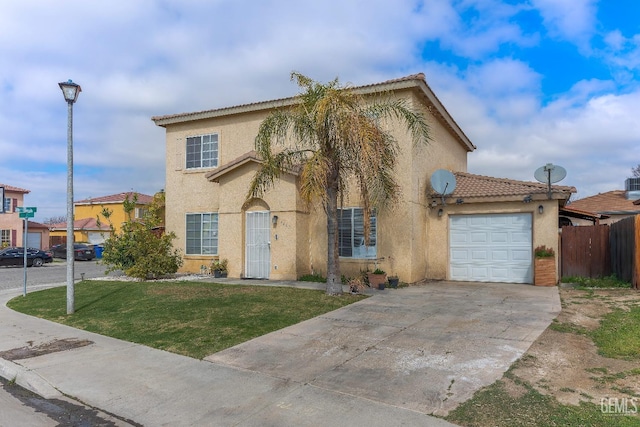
333	135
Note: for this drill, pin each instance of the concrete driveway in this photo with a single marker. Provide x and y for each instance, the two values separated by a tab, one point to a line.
426	348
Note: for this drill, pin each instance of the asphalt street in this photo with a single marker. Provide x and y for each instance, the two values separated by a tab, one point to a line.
55	272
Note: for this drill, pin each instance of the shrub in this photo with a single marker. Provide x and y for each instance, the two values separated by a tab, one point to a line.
137	249
544	252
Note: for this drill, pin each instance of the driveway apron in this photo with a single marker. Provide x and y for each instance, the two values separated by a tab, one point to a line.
425	348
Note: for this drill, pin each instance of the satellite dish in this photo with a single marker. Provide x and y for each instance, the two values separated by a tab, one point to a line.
550	174
443	182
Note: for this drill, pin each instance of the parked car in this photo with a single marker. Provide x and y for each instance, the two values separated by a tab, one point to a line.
81	251
15	256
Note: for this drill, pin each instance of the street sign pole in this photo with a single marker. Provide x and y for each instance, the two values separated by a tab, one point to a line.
24	241
25	213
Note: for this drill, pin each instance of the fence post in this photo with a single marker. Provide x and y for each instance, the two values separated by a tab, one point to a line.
635	274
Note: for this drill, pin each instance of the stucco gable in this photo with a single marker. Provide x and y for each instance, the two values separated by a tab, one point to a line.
247	158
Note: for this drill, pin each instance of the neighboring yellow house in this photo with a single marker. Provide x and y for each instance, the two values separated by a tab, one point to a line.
86	227
485	231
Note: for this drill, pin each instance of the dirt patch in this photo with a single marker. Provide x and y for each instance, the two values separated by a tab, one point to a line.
567	364
41	349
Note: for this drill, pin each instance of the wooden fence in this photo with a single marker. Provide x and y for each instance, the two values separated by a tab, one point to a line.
625	250
585	251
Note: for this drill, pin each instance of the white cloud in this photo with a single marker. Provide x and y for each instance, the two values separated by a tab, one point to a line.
571	20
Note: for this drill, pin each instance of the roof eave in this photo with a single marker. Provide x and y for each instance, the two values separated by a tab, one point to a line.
410	83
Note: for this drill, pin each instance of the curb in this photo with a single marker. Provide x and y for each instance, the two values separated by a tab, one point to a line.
28	379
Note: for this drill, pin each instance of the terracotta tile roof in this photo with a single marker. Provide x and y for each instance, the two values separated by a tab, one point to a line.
81	224
14	189
609	202
37	225
143	199
470	185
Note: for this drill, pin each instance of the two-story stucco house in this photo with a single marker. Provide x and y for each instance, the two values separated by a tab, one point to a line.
484	231
12	226
87	211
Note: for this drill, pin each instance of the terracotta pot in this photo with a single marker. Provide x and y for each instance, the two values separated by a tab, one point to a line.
376	279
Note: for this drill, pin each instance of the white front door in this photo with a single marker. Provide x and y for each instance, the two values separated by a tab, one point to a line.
491	248
257	253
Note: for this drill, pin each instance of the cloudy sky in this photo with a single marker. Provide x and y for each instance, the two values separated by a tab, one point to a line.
530	82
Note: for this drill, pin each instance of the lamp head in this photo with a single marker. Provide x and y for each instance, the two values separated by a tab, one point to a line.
70	90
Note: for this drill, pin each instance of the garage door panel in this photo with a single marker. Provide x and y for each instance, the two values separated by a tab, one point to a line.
479	238
523	238
500	255
459	237
491	248
479	255
521	255
499	237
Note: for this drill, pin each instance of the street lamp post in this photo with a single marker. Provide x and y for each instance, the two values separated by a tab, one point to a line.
70	90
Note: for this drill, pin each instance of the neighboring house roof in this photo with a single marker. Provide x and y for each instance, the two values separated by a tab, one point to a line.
13	189
611	203
569	211
249	157
143	199
470	186
87	224
37	225
415	82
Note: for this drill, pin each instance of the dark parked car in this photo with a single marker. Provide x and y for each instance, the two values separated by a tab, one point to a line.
81	251
15	256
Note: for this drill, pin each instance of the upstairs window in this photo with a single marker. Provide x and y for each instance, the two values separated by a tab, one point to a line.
202	151
7	204
351	242
140	213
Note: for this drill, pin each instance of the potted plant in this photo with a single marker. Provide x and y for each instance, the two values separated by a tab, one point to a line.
544	269
377	279
393	281
219	267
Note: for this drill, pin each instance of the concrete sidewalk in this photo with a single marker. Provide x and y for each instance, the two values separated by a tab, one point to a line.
393	359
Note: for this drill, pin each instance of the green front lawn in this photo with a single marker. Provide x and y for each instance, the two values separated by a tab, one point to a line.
190	318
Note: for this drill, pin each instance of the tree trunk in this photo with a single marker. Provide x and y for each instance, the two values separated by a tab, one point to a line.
334	281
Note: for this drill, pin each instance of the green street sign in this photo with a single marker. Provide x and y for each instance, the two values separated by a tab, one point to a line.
26	212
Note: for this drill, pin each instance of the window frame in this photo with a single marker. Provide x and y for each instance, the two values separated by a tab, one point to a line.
4	240
356	232
199	151
213	239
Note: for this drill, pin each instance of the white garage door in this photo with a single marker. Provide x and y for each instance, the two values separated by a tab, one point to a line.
491	248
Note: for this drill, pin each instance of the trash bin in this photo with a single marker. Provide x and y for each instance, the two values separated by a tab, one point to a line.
98	250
